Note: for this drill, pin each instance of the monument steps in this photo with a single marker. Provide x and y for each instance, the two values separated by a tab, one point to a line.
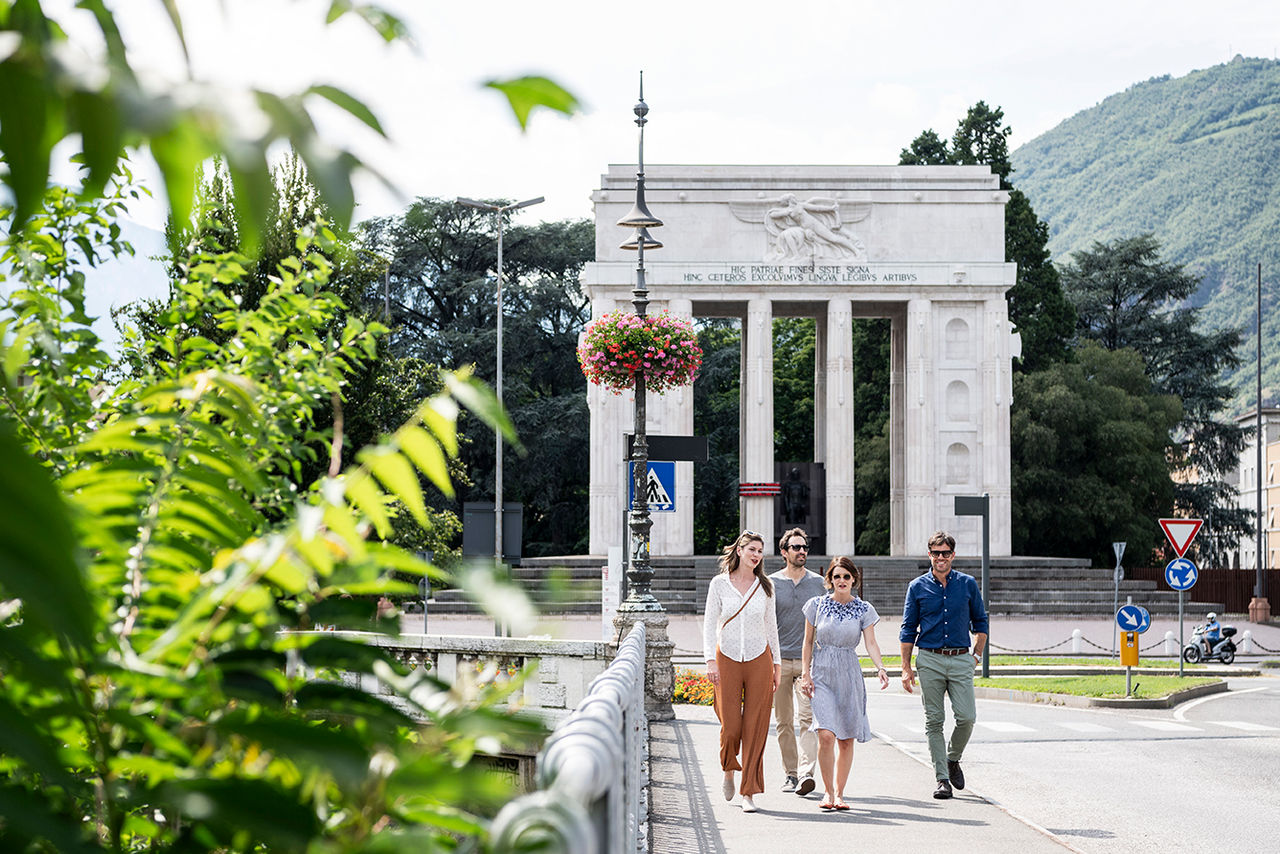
1017	586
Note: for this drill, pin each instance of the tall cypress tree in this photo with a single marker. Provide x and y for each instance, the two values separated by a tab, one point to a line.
1037	307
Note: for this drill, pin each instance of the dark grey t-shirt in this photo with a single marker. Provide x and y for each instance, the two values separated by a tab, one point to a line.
789	598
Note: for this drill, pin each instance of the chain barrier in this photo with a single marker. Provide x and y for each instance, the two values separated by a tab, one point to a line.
1028	651
1105	649
1263	648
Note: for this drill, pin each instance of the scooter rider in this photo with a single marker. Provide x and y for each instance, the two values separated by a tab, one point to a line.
1212	632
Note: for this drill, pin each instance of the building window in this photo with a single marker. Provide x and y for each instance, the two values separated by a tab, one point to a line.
958	463
957	340
958	401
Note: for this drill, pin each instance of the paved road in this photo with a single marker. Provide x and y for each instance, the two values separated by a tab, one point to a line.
1201	777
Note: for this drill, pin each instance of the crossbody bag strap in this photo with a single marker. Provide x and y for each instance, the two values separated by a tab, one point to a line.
744	604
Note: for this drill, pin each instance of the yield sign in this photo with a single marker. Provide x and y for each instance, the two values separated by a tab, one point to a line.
1181	532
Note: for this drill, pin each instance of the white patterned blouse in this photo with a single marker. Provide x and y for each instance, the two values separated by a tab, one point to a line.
749	633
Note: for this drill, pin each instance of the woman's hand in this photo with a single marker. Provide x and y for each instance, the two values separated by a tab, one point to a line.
884	678
806	685
777	677
713	672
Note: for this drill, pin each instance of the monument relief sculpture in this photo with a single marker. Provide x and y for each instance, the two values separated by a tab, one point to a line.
807	231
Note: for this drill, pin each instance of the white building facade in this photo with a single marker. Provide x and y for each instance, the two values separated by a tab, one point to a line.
920	245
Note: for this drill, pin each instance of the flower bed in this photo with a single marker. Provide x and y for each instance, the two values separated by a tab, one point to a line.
693	687
621	344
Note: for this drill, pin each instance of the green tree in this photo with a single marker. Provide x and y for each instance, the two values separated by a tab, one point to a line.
871	429
716	404
1126	297
793	362
442	287
151	599
1088	442
1037	307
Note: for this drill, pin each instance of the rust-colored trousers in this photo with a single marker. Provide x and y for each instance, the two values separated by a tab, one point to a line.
744	701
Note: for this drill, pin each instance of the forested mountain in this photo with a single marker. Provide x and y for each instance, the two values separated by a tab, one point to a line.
1194	160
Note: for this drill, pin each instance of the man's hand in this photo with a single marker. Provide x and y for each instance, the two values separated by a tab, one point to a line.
908	677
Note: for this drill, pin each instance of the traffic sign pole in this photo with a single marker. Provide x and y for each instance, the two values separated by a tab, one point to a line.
1180	660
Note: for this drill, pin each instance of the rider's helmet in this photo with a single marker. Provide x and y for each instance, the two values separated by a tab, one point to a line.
1211	616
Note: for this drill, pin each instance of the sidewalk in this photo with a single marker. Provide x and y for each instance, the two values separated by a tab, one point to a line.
891	795
1009	635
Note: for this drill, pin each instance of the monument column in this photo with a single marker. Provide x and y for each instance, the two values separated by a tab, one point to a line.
921	446
671	414
819	390
756	442
897	435
997	392
611	415
839	427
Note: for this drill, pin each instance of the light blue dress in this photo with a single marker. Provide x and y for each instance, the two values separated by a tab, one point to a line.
839	692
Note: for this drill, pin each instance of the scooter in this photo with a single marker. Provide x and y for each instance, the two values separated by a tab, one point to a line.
1224	650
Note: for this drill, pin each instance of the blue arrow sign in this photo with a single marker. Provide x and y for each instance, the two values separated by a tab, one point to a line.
1181	574
1133	618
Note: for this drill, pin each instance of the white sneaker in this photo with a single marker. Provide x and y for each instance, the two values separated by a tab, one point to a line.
748	805
729	787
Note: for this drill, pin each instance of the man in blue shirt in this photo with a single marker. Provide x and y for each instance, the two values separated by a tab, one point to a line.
942	608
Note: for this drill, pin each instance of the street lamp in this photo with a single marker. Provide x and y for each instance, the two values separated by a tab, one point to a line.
498	211
639	569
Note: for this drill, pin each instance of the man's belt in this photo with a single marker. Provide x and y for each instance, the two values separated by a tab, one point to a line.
947	650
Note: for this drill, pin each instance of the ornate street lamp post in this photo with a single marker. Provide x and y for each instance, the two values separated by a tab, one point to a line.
640	603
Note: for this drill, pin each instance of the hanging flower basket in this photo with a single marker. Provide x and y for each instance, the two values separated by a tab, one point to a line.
620	345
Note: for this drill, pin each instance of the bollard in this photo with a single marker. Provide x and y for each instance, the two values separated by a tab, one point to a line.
1171	645
1077	642
1246	643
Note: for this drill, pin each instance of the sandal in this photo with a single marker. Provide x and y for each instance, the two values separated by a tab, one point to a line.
842	806
827	805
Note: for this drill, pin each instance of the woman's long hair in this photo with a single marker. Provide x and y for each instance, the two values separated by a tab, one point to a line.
729	560
842	562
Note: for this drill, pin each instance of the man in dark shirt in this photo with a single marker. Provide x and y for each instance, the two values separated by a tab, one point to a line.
942	607
793	585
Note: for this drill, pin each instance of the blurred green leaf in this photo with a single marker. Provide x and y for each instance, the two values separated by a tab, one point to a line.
37	563
526	93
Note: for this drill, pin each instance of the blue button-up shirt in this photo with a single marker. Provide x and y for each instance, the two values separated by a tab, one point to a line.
934	616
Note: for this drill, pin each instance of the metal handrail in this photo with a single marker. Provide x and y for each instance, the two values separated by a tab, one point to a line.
591	796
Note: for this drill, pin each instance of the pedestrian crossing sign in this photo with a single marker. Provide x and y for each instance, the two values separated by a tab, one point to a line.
661	493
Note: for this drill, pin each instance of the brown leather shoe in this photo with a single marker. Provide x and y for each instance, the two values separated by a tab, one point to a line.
943	792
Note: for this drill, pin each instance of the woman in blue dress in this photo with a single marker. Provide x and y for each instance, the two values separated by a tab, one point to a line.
832	676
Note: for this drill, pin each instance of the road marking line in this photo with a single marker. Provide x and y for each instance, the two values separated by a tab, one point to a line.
1250	726
1168	726
928	763
1086	727
1181	713
1005	726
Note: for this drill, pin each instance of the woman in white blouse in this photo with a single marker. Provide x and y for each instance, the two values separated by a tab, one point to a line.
740	644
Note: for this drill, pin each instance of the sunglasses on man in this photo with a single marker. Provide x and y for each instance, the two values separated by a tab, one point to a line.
942	553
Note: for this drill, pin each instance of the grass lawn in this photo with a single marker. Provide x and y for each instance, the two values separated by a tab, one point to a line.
1108	685
1058	661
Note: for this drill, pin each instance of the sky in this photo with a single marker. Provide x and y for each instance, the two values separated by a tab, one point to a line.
756	81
